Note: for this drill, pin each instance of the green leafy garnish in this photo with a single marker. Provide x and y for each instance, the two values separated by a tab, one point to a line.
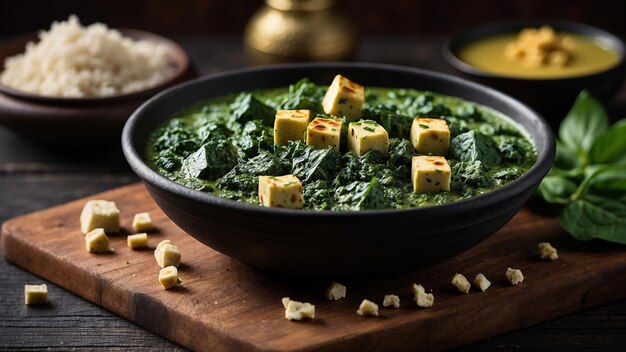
370	129
423	126
588	179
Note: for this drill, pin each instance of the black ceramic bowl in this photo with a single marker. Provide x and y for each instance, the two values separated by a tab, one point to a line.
551	97
81	121
333	244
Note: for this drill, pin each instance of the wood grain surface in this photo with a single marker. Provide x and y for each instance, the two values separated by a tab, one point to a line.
224	305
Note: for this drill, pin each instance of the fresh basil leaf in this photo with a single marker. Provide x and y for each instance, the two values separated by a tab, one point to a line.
611	177
566	157
610	145
584	123
596	217
557	189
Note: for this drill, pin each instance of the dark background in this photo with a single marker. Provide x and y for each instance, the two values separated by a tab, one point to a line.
370	16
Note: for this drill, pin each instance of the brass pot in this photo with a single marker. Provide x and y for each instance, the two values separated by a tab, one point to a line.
299	30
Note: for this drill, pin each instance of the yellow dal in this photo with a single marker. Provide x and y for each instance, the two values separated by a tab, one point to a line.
488	55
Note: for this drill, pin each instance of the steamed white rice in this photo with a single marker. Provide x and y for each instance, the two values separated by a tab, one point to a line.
75	61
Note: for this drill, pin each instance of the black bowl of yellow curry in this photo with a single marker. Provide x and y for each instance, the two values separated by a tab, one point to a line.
338	169
544	63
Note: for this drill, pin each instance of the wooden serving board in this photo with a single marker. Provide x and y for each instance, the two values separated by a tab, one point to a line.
225	305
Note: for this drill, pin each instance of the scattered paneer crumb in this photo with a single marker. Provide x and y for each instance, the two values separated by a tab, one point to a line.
460	282
481	282
285	301
100	214
136	241
335	291
423	299
546	251
514	276
391	301
166	254
168	277
96	241
36	294
295	310
142	222
367	307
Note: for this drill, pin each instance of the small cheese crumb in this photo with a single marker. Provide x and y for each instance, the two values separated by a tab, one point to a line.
460	282
97	241
481	282
367	308
142	222
100	214
391	301
36	294
546	251
168	277
136	241
335	291
514	276
297	310
166	254
422	298
285	301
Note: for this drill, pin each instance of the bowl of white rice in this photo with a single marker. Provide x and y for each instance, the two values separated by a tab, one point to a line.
75	84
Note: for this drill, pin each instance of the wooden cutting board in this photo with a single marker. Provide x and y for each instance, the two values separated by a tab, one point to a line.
225	305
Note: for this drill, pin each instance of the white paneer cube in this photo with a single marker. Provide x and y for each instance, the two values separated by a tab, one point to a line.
168	277
546	251
430	136
391	301
323	133
281	191
167	254
142	222
297	310
430	174
460	282
366	135
290	125
423	299
335	291
344	98
36	294
481	282
137	241
96	241
367	308
514	276
100	214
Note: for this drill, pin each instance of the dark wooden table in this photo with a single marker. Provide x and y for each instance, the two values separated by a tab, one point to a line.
34	177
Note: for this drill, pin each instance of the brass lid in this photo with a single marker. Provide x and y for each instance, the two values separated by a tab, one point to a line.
300	5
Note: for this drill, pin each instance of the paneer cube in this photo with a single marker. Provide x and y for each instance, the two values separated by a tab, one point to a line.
97	241
136	241
297	310
423	299
367	135
36	294
142	222
481	282
460	282
281	191
166	254
323	133
430	136
285	301
168	277
514	276
335	291
546	251
430	174
100	214
367	308
391	301
344	98
290	125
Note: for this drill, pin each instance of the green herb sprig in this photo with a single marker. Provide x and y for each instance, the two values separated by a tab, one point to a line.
588	179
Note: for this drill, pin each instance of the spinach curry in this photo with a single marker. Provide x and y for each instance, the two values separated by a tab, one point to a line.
222	146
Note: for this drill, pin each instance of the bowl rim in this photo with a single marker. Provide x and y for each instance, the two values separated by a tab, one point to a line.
459	39
529	179
181	59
